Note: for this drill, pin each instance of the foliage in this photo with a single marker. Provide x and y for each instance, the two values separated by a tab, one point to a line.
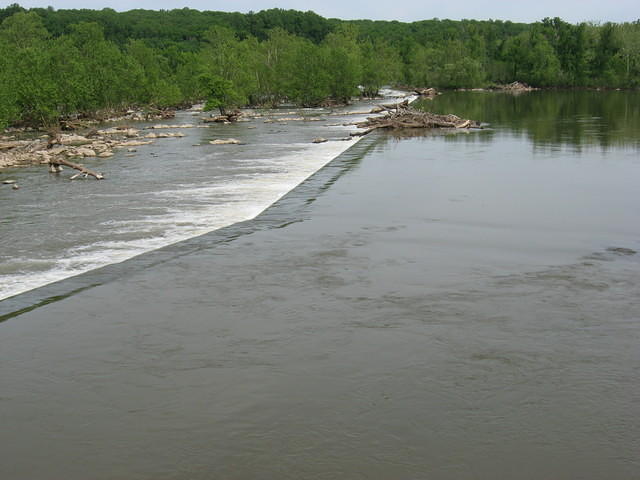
55	63
219	93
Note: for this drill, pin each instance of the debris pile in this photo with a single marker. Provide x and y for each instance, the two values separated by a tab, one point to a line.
406	117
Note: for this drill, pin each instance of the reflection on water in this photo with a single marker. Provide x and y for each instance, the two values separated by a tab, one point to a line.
551	119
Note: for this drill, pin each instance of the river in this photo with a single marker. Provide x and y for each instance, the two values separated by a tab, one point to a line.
443	306
174	189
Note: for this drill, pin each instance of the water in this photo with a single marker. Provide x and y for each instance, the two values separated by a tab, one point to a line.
456	306
175	189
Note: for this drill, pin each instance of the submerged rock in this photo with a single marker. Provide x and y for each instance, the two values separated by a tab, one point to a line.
135	143
228	141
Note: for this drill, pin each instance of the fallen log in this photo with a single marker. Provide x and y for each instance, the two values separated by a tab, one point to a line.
409	118
56	163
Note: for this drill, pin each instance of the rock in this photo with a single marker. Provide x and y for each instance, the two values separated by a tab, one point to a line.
100	147
74	140
86	152
151	135
319	140
58	150
105	154
170	135
376	109
131	150
9	182
228	141
135	143
217	119
290	119
110	131
15	186
12	144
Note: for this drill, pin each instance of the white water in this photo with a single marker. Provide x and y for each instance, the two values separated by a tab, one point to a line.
182	194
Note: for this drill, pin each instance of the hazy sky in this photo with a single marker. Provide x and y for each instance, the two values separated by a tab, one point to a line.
406	10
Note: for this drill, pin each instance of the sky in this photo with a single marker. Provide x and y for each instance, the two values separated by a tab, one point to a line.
572	11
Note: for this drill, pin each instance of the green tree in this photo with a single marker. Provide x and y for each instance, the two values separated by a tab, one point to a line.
381	65
629	35
343	62
219	93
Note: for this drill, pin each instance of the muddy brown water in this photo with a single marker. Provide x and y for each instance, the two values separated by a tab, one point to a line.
435	307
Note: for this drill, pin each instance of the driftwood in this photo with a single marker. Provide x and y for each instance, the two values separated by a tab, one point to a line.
516	87
410	118
11	145
54	165
426	92
395	106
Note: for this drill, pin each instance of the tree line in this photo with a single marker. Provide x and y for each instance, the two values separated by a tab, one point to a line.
77	62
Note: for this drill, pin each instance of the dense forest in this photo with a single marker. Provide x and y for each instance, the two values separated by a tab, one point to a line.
56	63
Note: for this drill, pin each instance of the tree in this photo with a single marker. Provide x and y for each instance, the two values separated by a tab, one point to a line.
629	34
381	64
219	93
343	62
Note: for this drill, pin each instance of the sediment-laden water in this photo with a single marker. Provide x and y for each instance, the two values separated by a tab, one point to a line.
175	189
444	306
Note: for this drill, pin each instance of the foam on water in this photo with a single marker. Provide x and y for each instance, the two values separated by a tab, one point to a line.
190	209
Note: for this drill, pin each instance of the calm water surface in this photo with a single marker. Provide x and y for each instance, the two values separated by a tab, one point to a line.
446	306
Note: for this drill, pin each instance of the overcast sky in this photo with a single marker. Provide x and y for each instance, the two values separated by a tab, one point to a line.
406	10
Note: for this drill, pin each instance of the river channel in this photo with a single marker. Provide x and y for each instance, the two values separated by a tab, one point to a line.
426	306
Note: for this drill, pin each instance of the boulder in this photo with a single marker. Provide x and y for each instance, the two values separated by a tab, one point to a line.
74	140
86	152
